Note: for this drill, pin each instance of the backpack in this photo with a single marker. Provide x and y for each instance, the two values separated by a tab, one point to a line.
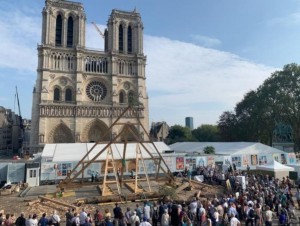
251	214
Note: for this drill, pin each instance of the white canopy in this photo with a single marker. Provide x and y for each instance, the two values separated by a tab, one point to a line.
225	148
275	166
75	151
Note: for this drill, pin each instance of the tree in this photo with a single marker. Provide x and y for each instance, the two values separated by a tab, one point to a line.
179	133
277	100
209	150
206	133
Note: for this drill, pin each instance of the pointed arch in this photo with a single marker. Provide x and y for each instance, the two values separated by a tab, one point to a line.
58	30
69	94
128	135
94	131
122	96
129	39
121	43
56	94
61	134
131	97
70	37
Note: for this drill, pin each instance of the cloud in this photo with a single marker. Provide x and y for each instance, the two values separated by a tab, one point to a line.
197	81
20	32
292	19
206	41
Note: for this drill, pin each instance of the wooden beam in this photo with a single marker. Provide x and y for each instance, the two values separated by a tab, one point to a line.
43	198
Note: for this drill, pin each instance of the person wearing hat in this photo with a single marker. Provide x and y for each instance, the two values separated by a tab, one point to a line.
145	222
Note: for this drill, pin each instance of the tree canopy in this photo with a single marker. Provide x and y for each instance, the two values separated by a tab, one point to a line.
254	118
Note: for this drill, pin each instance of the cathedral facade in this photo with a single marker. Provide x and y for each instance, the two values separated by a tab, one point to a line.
79	92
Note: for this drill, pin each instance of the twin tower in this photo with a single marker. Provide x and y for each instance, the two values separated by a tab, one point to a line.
79	92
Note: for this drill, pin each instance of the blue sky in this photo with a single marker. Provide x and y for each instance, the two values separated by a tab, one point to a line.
202	56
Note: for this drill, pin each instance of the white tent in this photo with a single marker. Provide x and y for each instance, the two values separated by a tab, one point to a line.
279	169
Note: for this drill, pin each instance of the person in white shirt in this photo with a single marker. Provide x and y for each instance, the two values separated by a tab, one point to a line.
134	218
268	216
193	206
234	221
147	211
55	219
145	222
165	219
33	221
82	217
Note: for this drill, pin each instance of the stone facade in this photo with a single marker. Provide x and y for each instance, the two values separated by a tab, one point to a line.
79	92
11	131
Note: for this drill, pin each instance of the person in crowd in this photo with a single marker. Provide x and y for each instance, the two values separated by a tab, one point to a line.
44	220
134	219
20	220
82	217
55	219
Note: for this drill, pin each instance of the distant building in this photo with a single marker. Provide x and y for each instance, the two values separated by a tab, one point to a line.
10	130
159	131
189	122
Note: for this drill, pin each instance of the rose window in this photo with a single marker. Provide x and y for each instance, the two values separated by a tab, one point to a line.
96	91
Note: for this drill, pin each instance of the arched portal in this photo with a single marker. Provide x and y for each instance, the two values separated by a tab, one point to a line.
130	135
95	132
61	134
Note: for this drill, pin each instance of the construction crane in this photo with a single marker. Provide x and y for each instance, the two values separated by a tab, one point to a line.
98	30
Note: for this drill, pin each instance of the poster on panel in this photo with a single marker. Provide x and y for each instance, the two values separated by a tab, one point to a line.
202	161
237	160
179	163
211	161
291	158
262	160
245	160
190	163
253	160
283	159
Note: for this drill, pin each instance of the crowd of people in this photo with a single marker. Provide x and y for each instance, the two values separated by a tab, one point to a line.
264	201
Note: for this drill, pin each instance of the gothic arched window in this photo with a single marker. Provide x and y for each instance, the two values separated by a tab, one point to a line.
58	31
129	40
56	96
70	32
121	38
68	95
121	97
131	97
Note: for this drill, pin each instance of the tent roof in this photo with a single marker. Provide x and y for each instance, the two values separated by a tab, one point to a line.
275	166
73	152
226	148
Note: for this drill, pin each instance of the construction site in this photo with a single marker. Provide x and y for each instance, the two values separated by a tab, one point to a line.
113	186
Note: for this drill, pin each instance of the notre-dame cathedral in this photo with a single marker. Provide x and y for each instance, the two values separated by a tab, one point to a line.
80	92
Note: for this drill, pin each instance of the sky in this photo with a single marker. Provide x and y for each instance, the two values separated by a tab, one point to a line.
202	56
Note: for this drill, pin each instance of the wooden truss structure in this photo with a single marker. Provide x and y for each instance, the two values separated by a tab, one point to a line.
110	163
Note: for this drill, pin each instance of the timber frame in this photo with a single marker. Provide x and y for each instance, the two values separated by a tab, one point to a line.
110	166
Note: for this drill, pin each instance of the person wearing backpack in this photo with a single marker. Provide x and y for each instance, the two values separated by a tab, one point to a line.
155	214
250	215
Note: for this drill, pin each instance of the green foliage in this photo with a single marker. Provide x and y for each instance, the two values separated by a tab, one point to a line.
209	150
179	133
276	100
206	133
167	191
